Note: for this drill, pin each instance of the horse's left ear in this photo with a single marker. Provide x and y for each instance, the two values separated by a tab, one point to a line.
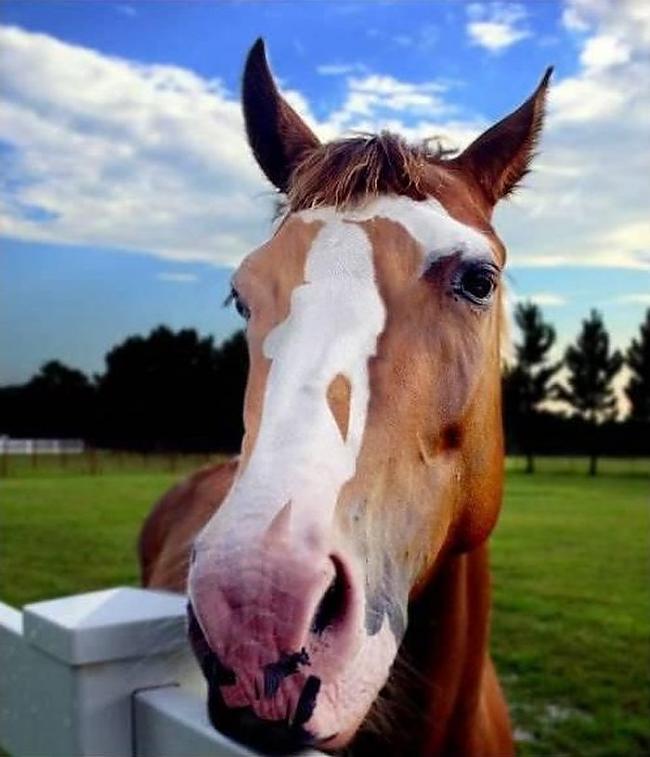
277	135
501	156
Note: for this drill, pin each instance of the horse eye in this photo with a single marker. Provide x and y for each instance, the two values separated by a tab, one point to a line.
477	283
240	306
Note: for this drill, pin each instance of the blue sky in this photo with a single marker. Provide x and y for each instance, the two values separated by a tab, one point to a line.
127	191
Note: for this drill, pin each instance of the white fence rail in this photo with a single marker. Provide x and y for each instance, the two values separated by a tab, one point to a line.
10	446
107	673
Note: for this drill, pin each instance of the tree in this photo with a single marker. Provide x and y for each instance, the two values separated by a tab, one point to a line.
591	368
64	398
527	383
55	376
232	370
58	401
638	360
173	391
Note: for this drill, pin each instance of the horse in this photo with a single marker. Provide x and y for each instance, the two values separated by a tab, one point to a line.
337	571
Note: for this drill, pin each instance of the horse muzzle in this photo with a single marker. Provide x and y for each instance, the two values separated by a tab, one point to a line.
278	629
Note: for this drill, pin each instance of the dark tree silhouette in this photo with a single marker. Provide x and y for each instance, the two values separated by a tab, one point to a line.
173	390
56	401
55	376
591	368
232	368
638	360
66	397
527	382
178	391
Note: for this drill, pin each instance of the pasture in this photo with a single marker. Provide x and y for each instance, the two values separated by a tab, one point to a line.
571	625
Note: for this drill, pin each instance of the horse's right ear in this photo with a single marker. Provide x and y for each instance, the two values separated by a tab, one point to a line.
501	156
277	135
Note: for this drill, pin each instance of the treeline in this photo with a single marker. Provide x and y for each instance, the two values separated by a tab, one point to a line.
168	391
569	406
177	391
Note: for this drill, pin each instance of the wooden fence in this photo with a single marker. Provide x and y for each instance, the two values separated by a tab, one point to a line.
107	673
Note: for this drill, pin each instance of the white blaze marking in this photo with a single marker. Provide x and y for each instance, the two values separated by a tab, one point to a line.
333	324
426	221
334	321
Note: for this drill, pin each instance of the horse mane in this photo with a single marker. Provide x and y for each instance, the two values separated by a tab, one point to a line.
344	172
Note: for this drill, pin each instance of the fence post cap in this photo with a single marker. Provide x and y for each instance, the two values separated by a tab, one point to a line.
113	624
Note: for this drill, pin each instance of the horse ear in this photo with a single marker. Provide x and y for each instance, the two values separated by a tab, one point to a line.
277	135
501	156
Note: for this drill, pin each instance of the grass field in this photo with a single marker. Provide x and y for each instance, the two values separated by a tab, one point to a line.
571	558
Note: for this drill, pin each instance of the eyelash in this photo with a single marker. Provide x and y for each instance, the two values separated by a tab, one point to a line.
240	306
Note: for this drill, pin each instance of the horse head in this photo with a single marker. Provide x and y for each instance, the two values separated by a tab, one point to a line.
373	446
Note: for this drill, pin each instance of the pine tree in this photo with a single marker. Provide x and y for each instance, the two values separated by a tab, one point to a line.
591	368
527	383
638	360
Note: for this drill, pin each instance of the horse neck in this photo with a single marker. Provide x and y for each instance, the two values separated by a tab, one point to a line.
431	702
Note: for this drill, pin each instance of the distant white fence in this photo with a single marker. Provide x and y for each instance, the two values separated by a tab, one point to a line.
40	446
107	673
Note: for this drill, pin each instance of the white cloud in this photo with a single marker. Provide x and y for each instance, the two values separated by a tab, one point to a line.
583	98
496	26
628	19
177	277
573	21
112	153
374	102
614	45
603	51
588	199
493	35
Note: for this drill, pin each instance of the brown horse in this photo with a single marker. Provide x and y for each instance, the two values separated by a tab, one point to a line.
339	586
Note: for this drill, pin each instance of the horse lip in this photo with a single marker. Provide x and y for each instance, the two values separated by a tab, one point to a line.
277	737
284	736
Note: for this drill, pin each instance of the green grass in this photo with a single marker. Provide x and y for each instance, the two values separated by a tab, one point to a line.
64	530
571	627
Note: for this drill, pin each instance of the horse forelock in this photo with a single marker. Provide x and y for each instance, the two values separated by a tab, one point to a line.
347	171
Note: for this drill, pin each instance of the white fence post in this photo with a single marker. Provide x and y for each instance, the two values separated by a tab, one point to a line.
107	674
69	668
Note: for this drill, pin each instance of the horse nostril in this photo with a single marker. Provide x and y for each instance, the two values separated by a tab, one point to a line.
332	605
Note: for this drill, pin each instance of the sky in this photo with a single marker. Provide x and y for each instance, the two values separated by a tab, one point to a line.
128	194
